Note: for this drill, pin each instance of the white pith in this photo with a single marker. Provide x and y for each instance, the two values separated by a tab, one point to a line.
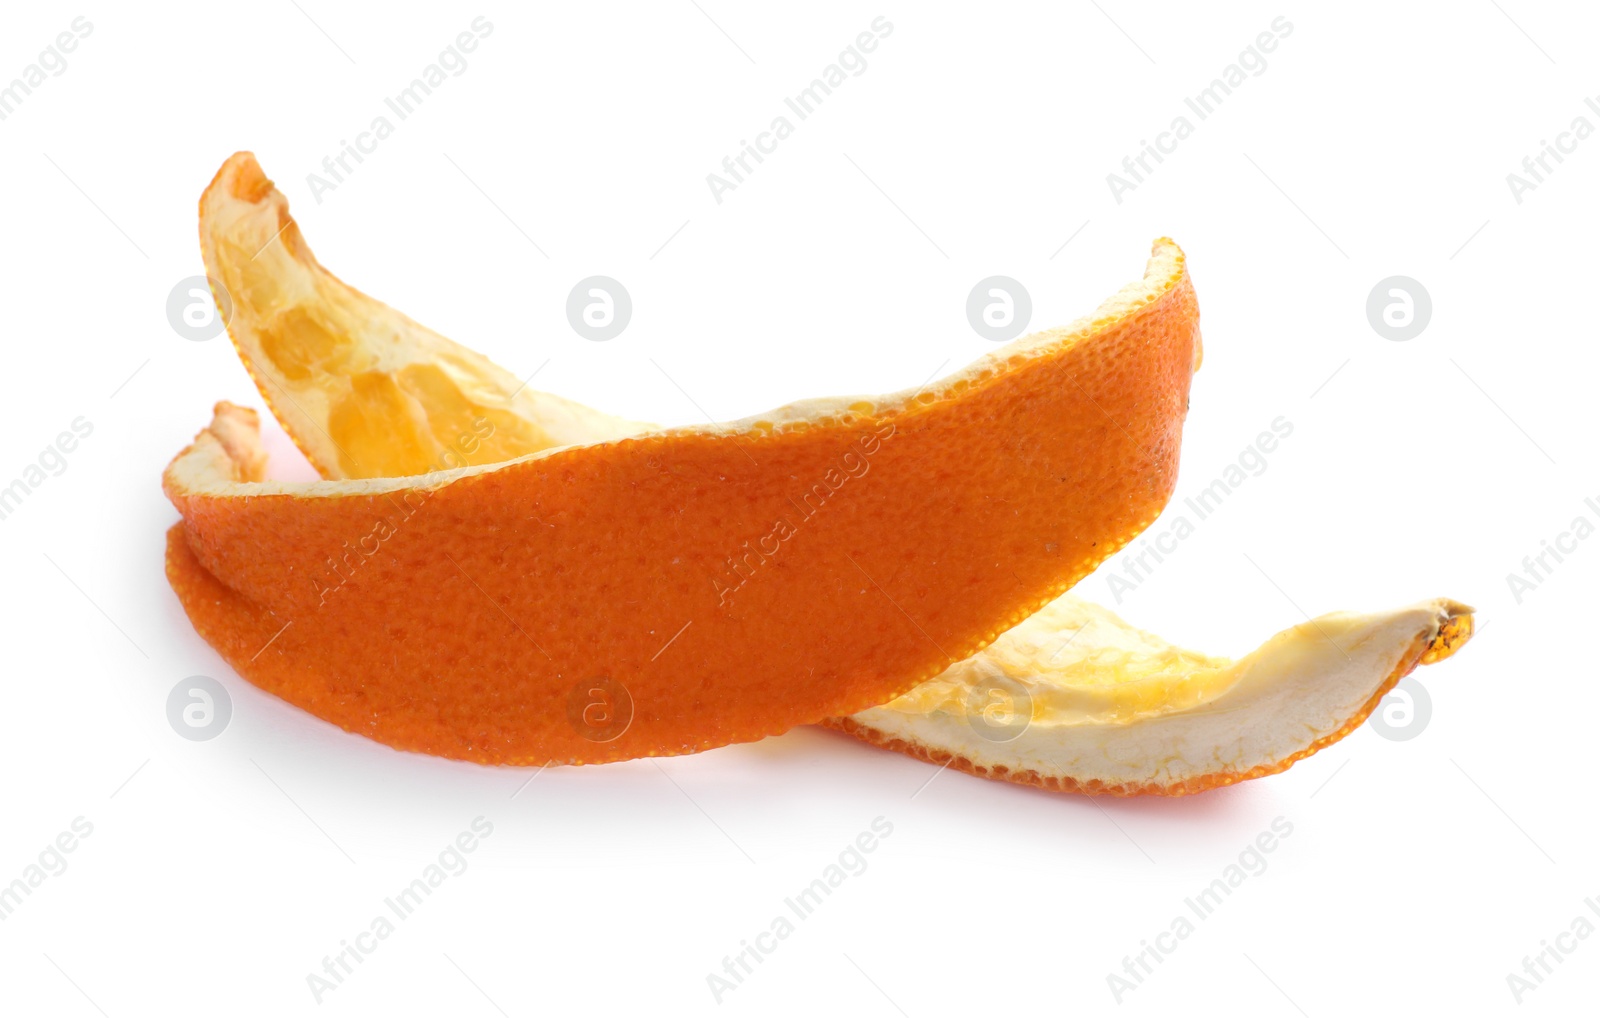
1301	686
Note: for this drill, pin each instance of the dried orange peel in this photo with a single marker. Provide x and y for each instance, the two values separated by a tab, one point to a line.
726	582
1070	698
1076	700
363	390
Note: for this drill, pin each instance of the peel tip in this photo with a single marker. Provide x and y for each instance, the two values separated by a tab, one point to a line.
1456	626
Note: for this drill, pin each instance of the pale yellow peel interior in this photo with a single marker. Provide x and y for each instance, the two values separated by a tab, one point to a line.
1079	664
1104	707
364	390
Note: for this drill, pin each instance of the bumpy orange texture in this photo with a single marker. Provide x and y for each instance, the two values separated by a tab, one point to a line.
468	614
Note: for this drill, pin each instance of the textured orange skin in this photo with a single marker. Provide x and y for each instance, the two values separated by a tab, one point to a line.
498	593
1422	651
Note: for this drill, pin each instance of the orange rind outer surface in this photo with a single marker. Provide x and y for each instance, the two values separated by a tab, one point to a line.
714	585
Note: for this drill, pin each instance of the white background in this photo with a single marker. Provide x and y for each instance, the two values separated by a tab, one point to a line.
1376	142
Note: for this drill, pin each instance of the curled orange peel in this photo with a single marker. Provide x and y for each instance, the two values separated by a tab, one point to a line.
1076	700
363	390
645	591
1069	698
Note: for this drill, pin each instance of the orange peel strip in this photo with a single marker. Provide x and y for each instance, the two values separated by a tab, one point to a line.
363	390
662	591
1076	700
